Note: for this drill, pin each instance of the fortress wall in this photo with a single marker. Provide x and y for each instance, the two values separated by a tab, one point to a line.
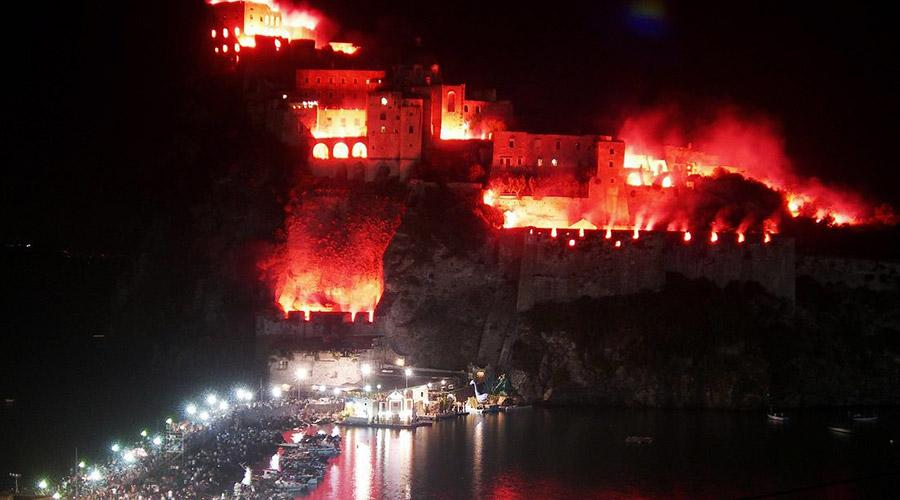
853	273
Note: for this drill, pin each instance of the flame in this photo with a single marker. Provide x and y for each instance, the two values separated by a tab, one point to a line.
464	132
294	23
687	236
713	237
345	47
740	237
331	259
490	197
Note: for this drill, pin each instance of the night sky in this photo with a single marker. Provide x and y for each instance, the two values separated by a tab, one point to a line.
96	89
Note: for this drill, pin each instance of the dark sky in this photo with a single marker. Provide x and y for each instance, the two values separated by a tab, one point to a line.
94	87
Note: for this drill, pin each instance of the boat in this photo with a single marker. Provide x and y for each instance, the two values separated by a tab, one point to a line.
777	416
863	417
840	430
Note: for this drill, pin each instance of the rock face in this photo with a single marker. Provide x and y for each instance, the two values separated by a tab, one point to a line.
444	294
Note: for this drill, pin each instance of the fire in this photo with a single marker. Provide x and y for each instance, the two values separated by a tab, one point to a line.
687	236
345	47
746	145
740	238
464	132
331	258
276	19
713	237
490	197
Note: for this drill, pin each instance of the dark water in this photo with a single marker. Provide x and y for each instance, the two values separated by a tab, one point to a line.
575	453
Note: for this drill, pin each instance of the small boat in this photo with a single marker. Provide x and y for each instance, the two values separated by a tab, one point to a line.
840	430
863	417
777	416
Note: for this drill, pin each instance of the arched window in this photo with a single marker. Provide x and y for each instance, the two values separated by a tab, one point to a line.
359	150
451	102
340	151
320	151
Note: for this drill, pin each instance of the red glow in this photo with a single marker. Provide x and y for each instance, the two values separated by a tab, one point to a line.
571	243
331	258
740	238
713	237
748	145
687	236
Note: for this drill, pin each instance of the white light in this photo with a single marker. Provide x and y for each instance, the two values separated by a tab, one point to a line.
115	448
378	386
56	496
400	362
211	399
366	369
94	475
157	440
368	388
81	465
128	456
42	484
443	382
323	388
191	409
429	385
301	373
223	405
144	433
168	421
384	101
407	372
243	394
204	416
276	392
337	391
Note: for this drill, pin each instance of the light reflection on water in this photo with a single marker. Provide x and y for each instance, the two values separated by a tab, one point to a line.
582	454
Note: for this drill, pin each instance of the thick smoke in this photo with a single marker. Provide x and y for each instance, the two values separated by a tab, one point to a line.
753	146
330	254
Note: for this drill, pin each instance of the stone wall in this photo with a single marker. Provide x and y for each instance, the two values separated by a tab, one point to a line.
853	273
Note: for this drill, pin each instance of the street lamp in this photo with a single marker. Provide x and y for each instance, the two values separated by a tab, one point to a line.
16	477
42	484
407	372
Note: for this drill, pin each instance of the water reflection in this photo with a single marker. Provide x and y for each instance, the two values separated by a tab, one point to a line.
582	453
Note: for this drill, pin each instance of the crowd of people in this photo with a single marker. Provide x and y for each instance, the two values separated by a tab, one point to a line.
213	458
